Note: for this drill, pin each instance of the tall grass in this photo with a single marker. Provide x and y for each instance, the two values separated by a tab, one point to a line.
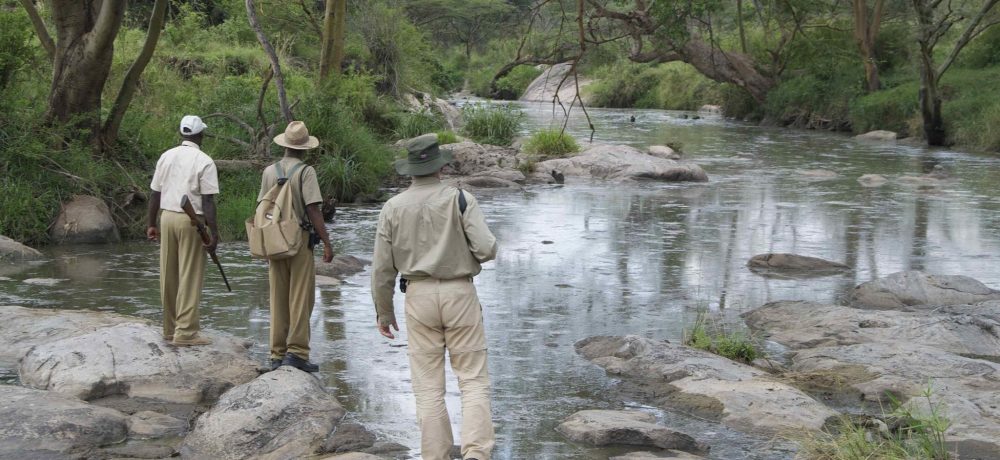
413	124
713	338
492	124
551	143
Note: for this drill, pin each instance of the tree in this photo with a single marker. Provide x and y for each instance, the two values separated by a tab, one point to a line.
334	32
934	19
469	22
866	26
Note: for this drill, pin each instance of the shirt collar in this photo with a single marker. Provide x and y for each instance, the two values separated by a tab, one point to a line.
425	180
191	144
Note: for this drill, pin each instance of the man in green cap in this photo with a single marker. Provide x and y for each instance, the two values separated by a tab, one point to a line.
436	237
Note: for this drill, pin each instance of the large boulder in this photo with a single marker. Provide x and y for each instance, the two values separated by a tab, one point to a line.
663	151
12	250
668	454
341	266
547	85
451	114
711	386
616	427
132	359
282	414
470	158
623	163
878	135
46	425
794	265
872	180
21	328
84	220
918	289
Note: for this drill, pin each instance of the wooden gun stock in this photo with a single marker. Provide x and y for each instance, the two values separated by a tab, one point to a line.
205	237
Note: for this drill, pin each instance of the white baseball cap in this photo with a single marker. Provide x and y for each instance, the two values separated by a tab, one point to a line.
191	124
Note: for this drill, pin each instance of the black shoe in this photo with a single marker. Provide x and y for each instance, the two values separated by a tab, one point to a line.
275	364
303	365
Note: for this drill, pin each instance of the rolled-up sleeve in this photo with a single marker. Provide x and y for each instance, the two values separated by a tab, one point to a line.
482	243
383	270
208	182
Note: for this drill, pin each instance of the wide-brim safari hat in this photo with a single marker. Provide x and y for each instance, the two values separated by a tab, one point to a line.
297	137
424	157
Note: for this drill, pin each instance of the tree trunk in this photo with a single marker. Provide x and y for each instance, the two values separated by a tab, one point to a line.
339	35
930	101
865	33
332	51
279	78
726	67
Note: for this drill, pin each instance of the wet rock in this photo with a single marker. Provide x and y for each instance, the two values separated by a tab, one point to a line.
711	109
154	425
708	385
816	174
475	182
544	88
623	163
140	450
470	159
23	328
675	454
794	264
917	289
614	427
662	151
877	135
132	359
282	414
43	281
423	101
349	437
872	180
341	267
802	325
387	448
327	281
353	456
42	424
84	220
12	250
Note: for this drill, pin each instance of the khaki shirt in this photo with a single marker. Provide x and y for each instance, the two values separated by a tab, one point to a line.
308	193
184	170
421	234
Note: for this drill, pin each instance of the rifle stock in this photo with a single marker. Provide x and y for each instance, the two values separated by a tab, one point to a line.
205	237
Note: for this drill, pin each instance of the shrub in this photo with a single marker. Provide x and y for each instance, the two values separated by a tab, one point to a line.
620	85
551	143
236	202
447	137
984	51
735	345
889	109
15	35
413	124
492	124
512	85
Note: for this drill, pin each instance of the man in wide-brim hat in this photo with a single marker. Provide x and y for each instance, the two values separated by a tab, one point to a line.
293	280
436	238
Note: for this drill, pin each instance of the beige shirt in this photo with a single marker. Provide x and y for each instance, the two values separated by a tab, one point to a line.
421	234
184	170
305	187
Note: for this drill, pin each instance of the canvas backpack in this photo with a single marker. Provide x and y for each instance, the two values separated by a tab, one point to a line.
274	231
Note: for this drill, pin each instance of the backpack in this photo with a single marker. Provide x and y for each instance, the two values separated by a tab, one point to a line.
274	231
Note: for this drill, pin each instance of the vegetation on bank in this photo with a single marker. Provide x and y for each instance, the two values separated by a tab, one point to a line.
492	124
552	143
713	338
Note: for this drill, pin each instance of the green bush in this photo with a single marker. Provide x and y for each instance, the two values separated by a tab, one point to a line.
735	345
621	85
236	202
492	124
447	137
889	109
512	85
15	36
413	124
984	51
551	143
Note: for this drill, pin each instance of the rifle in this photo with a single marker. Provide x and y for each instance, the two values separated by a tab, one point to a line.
205	237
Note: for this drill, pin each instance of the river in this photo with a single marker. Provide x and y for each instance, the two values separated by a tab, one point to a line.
594	259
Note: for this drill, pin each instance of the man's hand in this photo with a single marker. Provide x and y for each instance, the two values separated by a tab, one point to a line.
152	233
328	255
386	332
214	243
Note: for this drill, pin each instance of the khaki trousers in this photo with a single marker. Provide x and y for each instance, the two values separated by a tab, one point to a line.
293	294
446	314
182	275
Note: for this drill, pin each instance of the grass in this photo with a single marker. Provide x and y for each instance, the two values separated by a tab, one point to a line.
447	137
732	345
551	143
492	124
413	124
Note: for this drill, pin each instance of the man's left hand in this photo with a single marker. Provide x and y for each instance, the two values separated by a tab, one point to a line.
328	255
386	332
212	245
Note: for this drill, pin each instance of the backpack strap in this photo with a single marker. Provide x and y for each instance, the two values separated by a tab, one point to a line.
462	204
282	178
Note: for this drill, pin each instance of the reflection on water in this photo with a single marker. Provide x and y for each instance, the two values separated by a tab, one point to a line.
625	259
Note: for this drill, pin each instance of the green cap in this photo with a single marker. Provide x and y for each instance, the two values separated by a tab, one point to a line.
423	157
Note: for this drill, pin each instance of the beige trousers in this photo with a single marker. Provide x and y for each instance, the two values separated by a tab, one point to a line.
293	294
447	315
182	274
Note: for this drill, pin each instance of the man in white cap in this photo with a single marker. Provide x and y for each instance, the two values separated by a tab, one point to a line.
183	170
293	280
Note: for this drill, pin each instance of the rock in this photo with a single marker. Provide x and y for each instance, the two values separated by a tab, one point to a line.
12	250
802	325
711	109
474	182
794	265
614	427
676	454
352	456
451	114
327	281
341	267
238	165
141	450
470	158
282	414
918	289
662	151
84	220
816	174
872	180
623	163
132	359
21	328
349	437
153	425
42	424
543	88
877	135
49	282
381	448
708	385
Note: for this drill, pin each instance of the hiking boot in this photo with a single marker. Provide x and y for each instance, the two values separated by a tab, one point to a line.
275	364
193	341
301	364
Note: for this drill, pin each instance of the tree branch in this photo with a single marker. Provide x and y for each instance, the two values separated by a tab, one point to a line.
279	79
969	33
40	30
109	20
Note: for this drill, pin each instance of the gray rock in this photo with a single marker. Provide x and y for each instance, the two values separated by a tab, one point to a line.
623	163
349	437
23	328
451	114
154	425
84	220
816	174
12	250
282	414
662	151
675	454
918	289
143	450
341	267
872	180
353	456
387	448
49	282
614	427
132	359
327	281
708	385
794	265
878	135
544	88
484	181
711	109
470	158
42	424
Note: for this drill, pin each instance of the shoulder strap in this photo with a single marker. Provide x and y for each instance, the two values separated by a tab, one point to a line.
462	204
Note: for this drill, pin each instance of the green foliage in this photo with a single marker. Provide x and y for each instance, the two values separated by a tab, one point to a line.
15	35
492	124
670	86
395	50
551	143
984	51
236	202
621	85
512	85
712	338
447	137
413	124
889	109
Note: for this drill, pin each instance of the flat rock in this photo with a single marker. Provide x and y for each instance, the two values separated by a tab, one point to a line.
84	220
132	359
546	86
675	454
12	250
623	163
878	135
349	437
816	174
485	181
282	414
662	151
872	180
352	456
616	427
154	425
42	424
794	265
470	158
711	386
918	289
327	281
341	266
43	281
23	328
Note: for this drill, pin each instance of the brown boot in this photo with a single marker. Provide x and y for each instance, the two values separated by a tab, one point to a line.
192	342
